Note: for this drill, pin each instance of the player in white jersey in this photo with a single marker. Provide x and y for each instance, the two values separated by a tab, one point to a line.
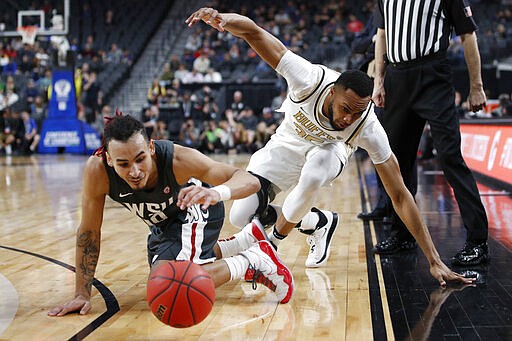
327	115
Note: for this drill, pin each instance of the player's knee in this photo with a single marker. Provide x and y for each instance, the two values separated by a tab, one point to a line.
312	182
239	217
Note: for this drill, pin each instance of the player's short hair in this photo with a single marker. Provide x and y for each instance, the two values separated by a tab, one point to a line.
121	128
356	80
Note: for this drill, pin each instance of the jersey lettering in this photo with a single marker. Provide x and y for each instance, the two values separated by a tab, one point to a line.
308	130
195	213
152	213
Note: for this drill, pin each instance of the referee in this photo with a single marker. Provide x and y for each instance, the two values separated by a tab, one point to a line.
413	83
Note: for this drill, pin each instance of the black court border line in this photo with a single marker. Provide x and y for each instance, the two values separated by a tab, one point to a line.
109	298
377	312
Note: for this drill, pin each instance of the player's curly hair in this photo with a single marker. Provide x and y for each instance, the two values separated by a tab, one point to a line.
120	128
356	80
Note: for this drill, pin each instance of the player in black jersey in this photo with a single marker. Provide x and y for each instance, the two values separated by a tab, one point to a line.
166	185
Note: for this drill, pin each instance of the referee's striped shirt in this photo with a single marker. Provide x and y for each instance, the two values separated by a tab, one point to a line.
418	28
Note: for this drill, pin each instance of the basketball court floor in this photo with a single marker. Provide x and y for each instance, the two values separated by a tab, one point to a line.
357	295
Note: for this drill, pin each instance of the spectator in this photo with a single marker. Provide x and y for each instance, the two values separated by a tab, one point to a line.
99	122
89	48
9	66
31	92
211	138
150	119
17	129
38	111
167	74
42	58
25	66
250	123
110	21
45	82
193	77
127	57
202	62
354	25
234	109
265	129
227	137
189	134
31	137
114	55
92	97
161	132
193	41
8	99
174	94
174	63
212	76
210	108
181	72
7	137
187	107
239	138
505	107
155	92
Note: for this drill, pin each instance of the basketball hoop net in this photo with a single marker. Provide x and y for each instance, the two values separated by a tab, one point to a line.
28	34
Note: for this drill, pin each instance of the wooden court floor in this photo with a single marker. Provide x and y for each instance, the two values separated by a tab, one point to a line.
356	296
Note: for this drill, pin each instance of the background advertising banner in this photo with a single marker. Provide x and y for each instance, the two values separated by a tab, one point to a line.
487	149
62	131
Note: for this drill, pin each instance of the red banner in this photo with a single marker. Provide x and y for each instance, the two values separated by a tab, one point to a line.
487	149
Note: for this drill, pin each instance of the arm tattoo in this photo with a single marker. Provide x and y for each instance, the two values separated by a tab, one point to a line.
88	242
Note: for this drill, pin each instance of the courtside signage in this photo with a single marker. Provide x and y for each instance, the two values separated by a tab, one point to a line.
487	149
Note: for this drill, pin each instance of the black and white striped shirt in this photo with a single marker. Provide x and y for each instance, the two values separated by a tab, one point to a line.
418	28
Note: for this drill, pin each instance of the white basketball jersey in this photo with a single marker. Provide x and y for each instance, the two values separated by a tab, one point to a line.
309	85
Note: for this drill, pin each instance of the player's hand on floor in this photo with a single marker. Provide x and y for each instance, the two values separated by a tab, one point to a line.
77	304
443	274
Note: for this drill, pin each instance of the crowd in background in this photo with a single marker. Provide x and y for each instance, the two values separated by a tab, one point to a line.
26	81
209	120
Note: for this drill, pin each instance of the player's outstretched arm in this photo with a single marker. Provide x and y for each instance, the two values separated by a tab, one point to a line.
407	210
95	187
267	46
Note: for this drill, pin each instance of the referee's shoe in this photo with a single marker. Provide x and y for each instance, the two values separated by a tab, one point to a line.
473	253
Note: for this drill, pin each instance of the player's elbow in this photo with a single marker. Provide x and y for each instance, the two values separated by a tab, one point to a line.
400	197
253	185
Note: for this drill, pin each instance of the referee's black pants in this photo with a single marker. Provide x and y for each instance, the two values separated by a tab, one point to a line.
419	92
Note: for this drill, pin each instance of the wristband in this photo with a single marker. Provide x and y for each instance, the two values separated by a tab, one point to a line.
224	192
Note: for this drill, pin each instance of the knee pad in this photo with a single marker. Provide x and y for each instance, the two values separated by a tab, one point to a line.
265	195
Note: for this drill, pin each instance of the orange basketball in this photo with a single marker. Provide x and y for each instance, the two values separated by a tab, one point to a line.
180	293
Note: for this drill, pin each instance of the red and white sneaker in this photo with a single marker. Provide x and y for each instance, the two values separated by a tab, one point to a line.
255	230
266	267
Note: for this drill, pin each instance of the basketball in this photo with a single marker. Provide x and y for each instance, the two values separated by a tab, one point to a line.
180	293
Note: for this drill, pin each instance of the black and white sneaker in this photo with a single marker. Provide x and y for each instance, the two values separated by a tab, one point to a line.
320	240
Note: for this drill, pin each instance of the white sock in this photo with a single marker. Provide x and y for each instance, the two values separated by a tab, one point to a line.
275	237
237	266
235	244
309	221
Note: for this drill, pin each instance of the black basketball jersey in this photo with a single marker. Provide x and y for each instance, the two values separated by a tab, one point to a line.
158	205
